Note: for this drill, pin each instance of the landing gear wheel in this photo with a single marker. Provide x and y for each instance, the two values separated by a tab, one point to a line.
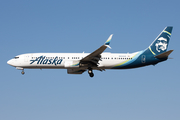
22	72
91	74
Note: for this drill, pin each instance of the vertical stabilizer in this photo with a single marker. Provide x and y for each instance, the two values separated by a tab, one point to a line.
160	44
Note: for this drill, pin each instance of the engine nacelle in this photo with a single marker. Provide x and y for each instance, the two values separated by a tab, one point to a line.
71	64
75	71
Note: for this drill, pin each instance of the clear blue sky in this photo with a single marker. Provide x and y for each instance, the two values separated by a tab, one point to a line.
149	93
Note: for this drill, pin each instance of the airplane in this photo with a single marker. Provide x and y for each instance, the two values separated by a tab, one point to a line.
78	63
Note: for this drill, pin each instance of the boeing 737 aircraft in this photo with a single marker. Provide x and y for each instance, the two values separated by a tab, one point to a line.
77	63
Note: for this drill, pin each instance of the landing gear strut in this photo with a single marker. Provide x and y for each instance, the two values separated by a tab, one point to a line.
91	74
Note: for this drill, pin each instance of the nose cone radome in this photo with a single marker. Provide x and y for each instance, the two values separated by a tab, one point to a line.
9	62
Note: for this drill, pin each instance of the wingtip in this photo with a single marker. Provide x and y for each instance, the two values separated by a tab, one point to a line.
108	46
109	40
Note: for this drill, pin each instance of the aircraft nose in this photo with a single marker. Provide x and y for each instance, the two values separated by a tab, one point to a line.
9	62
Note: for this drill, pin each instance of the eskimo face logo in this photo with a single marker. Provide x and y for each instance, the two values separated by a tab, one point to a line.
161	44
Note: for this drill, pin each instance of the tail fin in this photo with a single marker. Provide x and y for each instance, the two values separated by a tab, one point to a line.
160	44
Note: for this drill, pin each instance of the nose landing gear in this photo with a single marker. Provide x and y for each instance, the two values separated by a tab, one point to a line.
22	72
91	74
20	68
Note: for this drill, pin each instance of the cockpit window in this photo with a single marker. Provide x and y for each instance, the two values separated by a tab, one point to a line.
16	57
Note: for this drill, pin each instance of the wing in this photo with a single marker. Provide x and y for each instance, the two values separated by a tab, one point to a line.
93	58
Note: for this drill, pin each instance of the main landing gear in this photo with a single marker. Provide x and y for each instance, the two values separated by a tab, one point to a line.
91	74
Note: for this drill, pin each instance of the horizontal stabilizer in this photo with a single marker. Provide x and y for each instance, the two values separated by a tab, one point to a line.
164	55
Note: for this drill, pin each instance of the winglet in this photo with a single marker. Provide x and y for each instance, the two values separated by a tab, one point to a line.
108	40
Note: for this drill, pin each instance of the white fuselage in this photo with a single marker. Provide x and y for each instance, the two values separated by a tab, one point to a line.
66	60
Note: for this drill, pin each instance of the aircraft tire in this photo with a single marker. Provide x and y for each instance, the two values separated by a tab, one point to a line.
91	74
22	72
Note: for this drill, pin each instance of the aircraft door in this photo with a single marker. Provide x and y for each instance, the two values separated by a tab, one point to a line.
143	59
26	57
